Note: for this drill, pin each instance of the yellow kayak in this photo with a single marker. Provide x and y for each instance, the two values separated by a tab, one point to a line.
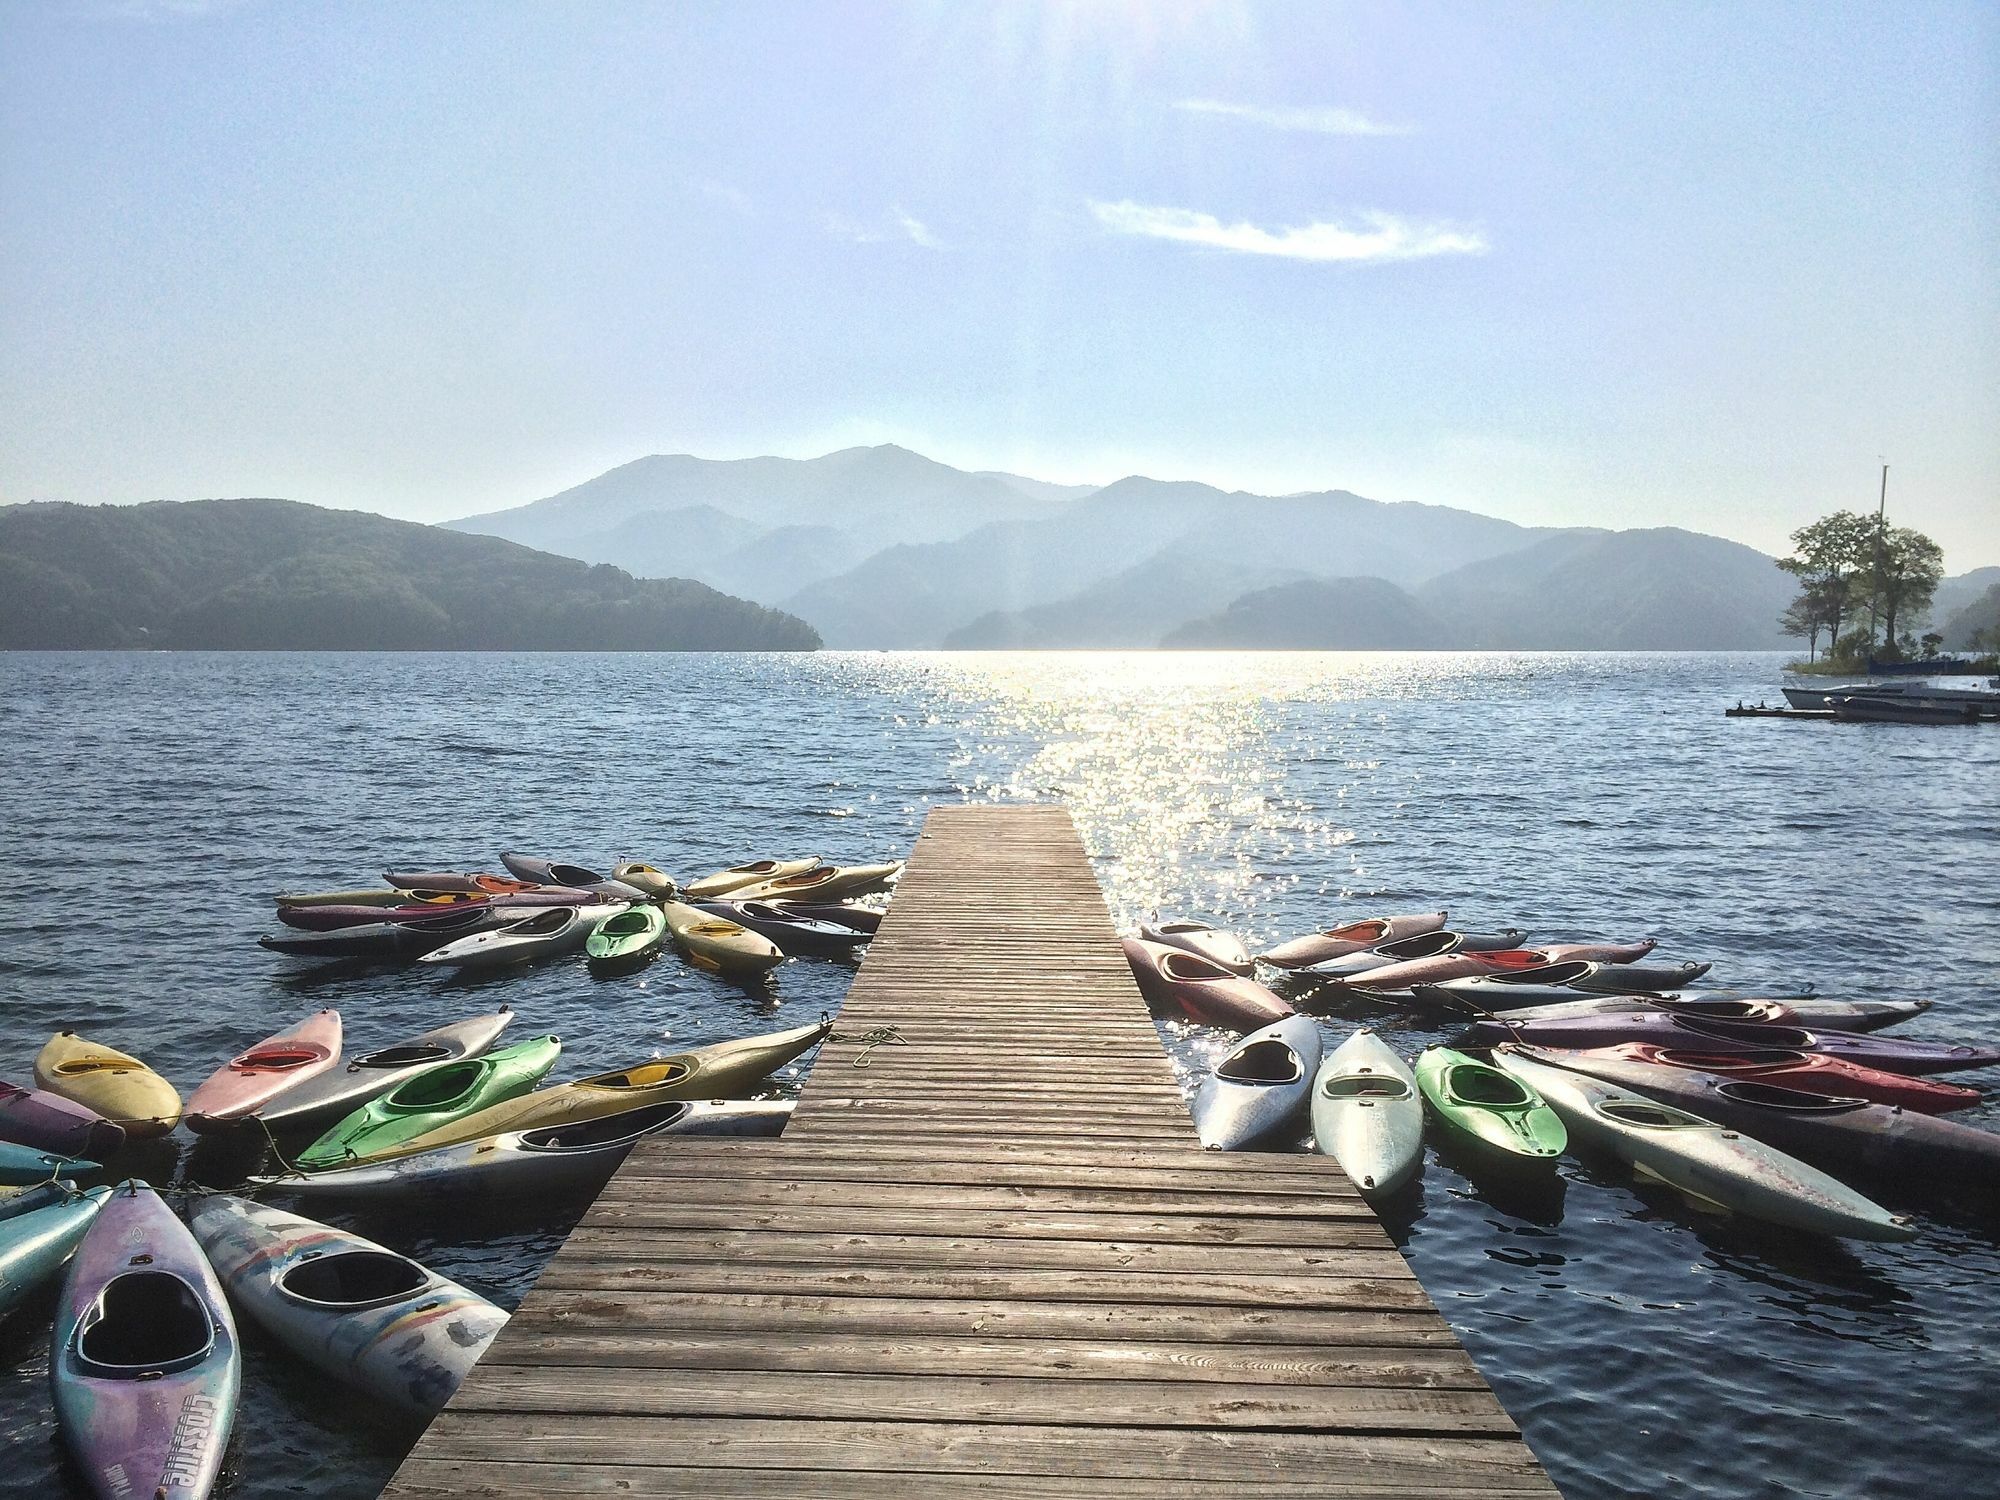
738	877
713	1072
828	883
118	1086
651	879
717	944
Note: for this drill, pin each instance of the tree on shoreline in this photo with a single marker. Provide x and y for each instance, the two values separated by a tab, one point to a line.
1848	563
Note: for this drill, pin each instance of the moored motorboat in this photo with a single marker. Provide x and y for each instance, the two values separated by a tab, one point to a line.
24	1166
718	944
1368	1116
525	1167
556	872
1813	1072
1488	1108
1668	1029
341	1090
432	1100
1869	708
626	938
108	1082
1350	937
366	1316
742	877
1711	1164
1201	989
792	931
49	1122
35	1243
260	1074
545	933
144	1363
1199	938
1260	1086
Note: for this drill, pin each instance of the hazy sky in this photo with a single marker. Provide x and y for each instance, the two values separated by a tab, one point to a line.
1617	264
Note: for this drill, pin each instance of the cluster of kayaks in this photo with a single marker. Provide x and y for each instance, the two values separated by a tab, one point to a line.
146	1365
741	921
1760	1107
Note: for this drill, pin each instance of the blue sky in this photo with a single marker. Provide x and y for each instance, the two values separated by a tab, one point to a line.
1619	265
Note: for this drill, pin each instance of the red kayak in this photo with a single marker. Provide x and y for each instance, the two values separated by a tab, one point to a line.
1351	937
1200	988
1812	1072
1445	966
247	1083
1599	953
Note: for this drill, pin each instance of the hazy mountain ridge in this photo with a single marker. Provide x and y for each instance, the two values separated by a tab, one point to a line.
277	574
1319	614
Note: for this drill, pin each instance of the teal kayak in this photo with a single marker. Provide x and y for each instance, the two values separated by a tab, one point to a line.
33	1246
1489	1108
434	1098
626	937
23	1166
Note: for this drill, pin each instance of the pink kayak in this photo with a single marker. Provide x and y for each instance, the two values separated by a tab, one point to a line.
1351	937
49	1122
246	1084
1200	988
1445	966
1599	953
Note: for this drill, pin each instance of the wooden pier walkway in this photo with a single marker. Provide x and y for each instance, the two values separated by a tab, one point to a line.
989	1260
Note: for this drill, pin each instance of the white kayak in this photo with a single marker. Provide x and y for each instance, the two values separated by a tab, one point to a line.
320	1101
525	1167
1368	1116
364	1315
1260	1087
1211	943
1716	1167
549	932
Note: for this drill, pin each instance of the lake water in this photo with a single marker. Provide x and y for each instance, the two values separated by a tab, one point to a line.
152	802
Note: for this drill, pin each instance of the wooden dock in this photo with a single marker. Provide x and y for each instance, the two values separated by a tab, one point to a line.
987	1259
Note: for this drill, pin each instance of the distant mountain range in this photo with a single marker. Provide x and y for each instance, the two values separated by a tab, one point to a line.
881	547
254	574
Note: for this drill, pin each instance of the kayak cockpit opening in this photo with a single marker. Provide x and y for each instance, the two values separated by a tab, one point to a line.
1365	1086
645	1076
1561	972
144	1322
1649	1116
1265	1062
1726	1062
610	1130
1185	966
1792	1101
1423	945
437	1089
276	1058
354	1278
1746	1031
548	919
573	875
1487	1087
402	1057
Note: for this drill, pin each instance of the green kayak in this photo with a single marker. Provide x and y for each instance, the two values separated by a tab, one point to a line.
627	937
1488	1107
432	1099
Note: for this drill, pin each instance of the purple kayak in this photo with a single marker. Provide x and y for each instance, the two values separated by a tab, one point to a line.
49	1122
334	918
144	1363
1670	1029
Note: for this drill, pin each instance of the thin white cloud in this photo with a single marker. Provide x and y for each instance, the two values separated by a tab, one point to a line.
1319	121
1373	235
914	228
896	225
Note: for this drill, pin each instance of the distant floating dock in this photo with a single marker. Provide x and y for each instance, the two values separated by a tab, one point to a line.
987	1258
1761	711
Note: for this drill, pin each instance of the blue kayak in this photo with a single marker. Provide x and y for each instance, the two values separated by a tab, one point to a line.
23	1166
34	1245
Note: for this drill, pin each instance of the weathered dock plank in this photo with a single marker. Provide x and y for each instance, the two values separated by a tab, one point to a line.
986	1259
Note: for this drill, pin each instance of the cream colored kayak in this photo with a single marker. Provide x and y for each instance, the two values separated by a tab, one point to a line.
718	944
712	1072
828	883
651	879
114	1084
740	877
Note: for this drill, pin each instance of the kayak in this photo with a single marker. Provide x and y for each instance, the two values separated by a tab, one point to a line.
526	1167
1423	945
1204	941
114	1084
454	881
1492	1110
717	944
1477	994
1350	937
432	1099
1599	953
1497	992
1838	1135
555	872
35	1117
364	1315
144	1364
1626	979
401	939
712	1072
332	918
275	1065
25	1200
1715	1166
792	931
827	883
651	879
627	937
863	919
24	1166
34	1245
1415	971
1201	989
1368	1116
741	877
344	898
320	1101
1260	1087
1695	1034
1813	1072
548	933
